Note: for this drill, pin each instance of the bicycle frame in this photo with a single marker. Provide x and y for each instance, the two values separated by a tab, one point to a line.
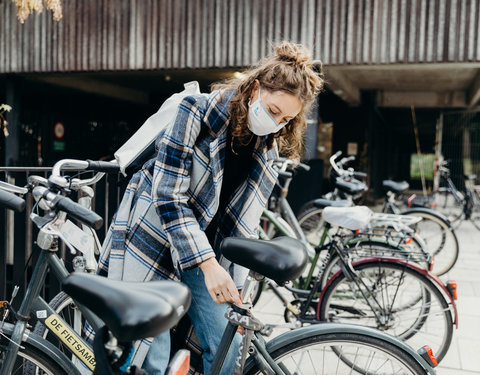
34	304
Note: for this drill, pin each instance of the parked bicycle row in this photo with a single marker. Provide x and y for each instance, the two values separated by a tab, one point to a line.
366	268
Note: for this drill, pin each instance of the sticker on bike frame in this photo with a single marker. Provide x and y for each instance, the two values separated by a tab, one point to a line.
70	339
41	314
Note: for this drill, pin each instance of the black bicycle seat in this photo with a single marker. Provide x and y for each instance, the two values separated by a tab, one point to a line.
396	187
322	203
281	259
131	311
350	187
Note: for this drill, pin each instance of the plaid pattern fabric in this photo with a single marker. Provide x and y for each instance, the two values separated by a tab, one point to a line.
159	226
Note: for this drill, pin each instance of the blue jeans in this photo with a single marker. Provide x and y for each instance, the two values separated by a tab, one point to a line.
208	319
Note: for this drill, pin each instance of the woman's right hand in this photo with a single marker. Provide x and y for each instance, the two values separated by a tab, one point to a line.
219	283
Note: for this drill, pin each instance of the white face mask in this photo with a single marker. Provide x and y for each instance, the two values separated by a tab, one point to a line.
260	121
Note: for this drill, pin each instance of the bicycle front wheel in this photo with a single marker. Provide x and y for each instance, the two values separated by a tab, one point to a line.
394	298
30	357
312	224
343	353
64	306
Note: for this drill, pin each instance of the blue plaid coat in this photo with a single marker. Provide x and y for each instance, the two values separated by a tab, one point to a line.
159	226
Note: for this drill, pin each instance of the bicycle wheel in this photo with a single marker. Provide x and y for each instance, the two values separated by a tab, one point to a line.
440	238
312	224
29	356
66	308
450	206
342	353
394	298
363	250
475	215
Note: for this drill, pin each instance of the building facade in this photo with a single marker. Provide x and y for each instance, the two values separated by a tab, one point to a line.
107	65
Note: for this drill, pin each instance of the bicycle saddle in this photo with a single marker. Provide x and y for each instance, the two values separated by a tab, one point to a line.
131	311
396	187
322	203
351	188
281	259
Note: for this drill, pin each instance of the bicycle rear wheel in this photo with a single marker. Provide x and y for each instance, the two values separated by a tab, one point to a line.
30	357
440	238
342	353
393	298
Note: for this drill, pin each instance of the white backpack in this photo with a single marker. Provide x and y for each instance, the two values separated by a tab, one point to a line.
141	146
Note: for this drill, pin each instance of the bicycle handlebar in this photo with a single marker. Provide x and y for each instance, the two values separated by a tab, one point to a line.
103	166
10	200
13	188
285	164
70	207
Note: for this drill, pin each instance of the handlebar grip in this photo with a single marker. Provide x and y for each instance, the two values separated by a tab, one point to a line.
360	174
103	166
10	200
285	174
347	159
79	212
305	167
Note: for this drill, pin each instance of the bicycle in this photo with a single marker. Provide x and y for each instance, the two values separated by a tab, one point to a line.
389	234
153	308
458	206
367	290
433	229
56	206
334	339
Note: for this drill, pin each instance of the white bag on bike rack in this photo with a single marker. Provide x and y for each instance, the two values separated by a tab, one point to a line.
352	218
141	146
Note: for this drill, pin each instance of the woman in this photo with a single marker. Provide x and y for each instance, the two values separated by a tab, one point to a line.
210	179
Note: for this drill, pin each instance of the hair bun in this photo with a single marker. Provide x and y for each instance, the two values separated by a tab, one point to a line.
293	53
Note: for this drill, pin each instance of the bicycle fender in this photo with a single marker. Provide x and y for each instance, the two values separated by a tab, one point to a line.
416	267
46	347
429	211
332	328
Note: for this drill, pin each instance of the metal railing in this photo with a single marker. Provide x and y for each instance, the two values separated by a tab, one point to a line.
18	234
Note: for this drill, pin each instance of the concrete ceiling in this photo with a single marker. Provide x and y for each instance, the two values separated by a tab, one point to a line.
421	85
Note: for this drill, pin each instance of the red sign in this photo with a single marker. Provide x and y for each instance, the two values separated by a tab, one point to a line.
59	130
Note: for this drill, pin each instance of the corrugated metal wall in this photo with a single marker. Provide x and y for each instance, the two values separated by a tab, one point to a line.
152	34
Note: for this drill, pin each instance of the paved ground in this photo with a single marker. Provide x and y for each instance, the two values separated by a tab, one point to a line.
463	357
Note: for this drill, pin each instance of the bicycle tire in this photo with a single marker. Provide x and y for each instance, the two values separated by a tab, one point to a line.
440	238
311	223
364	249
257	292
63	305
29	356
332	351
429	320
475	215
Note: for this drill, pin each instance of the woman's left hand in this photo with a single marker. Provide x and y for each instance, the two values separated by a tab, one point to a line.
219	283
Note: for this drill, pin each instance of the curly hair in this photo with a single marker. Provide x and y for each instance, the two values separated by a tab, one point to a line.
289	69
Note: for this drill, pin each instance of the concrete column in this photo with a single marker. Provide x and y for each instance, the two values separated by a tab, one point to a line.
311	131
